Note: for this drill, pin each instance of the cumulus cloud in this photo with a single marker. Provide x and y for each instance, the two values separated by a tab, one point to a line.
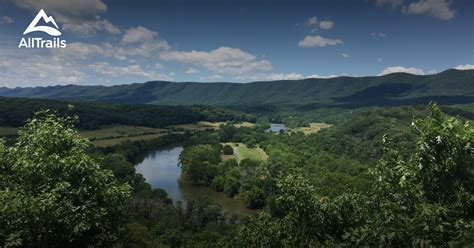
437	8
140	41
86	50
39	71
394	69
465	67
81	17
326	24
223	60
391	3
6	20
191	70
345	55
378	35
131	70
91	27
315	23
325	76
312	41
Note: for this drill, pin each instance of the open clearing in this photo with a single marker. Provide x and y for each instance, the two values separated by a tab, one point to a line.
116	141
113	135
203	125
313	128
241	151
120	132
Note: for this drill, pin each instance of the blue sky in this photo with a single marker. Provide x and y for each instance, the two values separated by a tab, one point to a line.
118	42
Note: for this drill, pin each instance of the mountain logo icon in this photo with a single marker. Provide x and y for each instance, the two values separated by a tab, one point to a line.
47	29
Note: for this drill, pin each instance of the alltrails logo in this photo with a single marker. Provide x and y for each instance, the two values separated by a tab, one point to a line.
38	42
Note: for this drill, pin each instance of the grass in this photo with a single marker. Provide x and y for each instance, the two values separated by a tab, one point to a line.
203	125
116	141
241	151
120	132
7	131
114	135
313	128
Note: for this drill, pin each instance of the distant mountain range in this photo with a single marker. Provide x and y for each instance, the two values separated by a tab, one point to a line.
448	87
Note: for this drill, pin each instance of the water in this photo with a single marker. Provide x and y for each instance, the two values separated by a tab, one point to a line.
160	169
276	127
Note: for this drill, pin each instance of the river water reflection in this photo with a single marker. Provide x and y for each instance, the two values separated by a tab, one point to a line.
161	170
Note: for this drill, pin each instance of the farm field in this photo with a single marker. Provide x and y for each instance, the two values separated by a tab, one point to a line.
241	151
313	128
116	141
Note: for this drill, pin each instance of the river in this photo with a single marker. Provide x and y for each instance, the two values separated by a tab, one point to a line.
161	170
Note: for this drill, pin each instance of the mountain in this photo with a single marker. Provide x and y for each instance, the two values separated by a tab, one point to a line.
448	87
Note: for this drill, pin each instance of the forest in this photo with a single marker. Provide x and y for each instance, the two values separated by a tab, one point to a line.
399	176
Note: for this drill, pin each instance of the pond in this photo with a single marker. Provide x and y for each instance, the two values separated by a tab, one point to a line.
161	170
276	127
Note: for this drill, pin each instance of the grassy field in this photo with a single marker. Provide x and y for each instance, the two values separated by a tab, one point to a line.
241	151
113	135
116	141
203	125
120	132
7	131
313	128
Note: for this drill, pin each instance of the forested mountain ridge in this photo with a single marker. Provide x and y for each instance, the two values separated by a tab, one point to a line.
448	87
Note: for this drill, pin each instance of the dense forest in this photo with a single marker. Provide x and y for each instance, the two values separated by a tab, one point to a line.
386	177
15	111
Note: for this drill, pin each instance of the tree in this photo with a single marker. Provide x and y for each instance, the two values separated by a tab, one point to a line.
200	163
53	194
227	150
423	201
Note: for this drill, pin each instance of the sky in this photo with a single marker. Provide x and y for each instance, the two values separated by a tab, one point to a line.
122	42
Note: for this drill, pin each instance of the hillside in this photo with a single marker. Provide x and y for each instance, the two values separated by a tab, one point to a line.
448	87
15	111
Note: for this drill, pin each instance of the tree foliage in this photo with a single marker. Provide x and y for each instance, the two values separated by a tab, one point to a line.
52	193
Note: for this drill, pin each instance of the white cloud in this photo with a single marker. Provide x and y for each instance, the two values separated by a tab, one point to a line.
191	70
131	70
39	71
326	24
378	35
315	23
312	41
81	17
158	66
140	41
437	8
66	11
345	55
91	27
392	3
86	50
223	60
326	76
276	76
394	69
312	21
6	20
465	67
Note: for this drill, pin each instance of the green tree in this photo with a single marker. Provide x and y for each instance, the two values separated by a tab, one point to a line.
53	194
227	150
199	163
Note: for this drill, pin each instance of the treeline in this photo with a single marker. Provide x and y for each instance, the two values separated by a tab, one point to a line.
424	200
15	111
